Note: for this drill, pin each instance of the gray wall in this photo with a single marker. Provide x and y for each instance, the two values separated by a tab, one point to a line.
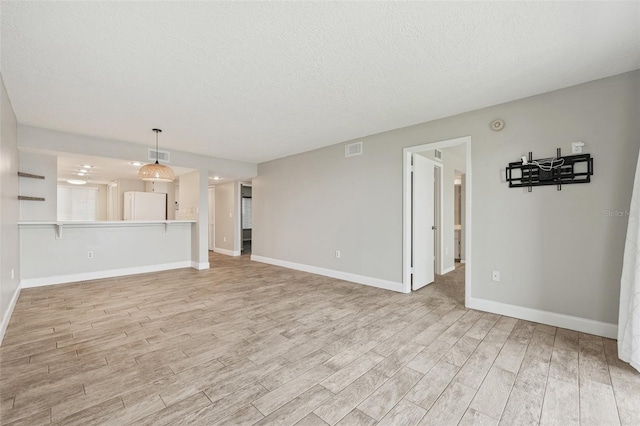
43	165
9	207
189	200
115	247
194	205
227	216
556	250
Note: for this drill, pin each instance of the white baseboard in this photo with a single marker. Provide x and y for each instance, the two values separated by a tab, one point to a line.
7	315
346	276
446	271
85	276
200	266
227	252
545	317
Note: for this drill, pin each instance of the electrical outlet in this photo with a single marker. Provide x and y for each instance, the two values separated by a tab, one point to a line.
337	254
13	273
496	275
89	255
576	147
446	250
224	239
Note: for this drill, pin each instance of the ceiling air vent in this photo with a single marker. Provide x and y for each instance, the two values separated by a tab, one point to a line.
437	154
353	149
163	156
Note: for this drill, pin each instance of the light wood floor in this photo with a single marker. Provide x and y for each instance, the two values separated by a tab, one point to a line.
248	343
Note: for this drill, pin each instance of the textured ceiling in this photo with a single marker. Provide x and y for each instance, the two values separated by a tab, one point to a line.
262	80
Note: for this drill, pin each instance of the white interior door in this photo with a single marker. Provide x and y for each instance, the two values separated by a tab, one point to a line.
423	222
212	217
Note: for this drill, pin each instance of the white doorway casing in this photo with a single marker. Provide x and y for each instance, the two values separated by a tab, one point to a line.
212	217
438	214
407	209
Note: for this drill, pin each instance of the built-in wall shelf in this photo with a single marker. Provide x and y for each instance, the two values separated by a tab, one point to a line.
29	175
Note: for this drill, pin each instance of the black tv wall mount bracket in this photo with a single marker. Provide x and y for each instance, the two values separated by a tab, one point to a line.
550	171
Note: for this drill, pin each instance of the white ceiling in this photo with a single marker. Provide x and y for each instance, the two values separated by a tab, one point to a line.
256	81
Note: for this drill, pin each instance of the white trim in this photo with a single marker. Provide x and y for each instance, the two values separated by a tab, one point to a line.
446	271
463	261
237	217
406	210
440	244
7	315
346	276
211	217
570	322
85	276
200	266
227	252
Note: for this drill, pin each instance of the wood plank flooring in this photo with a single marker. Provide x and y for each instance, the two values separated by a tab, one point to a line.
246	343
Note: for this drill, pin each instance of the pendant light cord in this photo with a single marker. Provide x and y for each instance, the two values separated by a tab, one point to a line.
157	131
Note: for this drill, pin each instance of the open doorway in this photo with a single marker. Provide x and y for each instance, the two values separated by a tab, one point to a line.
246	217
434	223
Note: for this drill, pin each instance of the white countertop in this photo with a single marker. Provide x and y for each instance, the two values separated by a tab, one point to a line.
103	222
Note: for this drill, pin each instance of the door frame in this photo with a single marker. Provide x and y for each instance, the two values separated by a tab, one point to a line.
406	210
211	201
437	218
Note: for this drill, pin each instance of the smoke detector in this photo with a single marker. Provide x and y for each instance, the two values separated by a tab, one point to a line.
497	125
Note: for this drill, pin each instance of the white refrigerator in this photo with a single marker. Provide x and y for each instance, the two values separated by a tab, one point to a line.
145	206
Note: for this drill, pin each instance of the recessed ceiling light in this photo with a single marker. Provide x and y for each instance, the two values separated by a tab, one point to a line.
81	174
136	163
83	170
216	178
76	181
87	166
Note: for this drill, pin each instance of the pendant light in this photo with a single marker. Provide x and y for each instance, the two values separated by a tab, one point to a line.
156	172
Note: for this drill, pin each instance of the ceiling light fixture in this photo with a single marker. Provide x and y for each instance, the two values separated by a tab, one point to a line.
76	181
87	166
136	163
216	178
81	174
156	172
